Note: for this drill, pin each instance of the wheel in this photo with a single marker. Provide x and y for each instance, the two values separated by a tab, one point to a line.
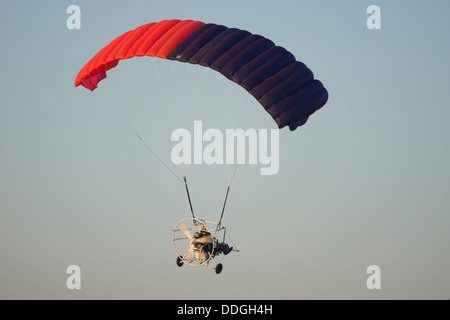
219	268
179	262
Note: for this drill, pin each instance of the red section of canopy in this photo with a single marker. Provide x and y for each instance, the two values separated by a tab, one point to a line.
153	39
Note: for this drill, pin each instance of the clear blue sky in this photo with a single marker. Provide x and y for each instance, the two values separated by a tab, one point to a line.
366	181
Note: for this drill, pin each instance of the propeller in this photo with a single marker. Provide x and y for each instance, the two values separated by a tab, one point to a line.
185	231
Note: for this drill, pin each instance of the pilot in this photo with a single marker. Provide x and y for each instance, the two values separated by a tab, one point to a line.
223	247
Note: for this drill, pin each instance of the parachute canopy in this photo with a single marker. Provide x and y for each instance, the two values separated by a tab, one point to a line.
286	88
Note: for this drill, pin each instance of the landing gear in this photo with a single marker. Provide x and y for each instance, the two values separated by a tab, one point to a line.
179	261
217	269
